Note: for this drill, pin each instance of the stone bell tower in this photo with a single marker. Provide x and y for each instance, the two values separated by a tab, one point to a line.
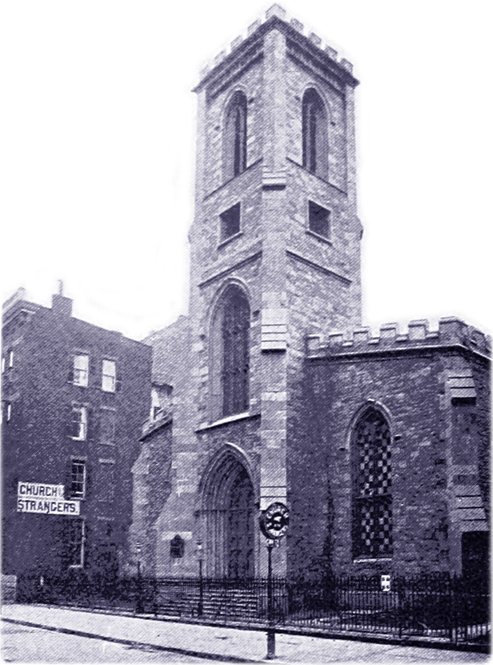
275	255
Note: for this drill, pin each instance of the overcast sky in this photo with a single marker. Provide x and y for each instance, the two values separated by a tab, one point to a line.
97	148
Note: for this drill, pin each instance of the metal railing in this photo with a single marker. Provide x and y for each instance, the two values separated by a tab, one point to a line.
439	606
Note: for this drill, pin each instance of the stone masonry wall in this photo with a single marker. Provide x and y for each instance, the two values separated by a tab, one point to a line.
410	381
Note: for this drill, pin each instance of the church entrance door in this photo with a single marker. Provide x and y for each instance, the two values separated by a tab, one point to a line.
229	519
240	536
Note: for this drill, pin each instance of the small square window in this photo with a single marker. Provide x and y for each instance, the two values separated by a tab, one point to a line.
81	369
79	423
318	219
109	376
78	479
230	222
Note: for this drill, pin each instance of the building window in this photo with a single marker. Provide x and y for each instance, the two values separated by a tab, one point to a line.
230	222
318	219
10	356
235	333
106	481
109	376
372	498
76	532
7	411
78	479
79	423
235	136
314	133
107	428
81	369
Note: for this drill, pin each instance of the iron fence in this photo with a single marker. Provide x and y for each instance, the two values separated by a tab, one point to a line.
442	607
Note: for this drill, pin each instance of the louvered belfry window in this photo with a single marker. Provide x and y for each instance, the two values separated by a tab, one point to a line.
372	498
236	352
235	136
314	134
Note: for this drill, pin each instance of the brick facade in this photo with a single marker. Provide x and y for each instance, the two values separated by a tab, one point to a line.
38	443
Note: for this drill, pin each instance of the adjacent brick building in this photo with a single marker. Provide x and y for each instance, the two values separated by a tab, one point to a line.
74	398
363	439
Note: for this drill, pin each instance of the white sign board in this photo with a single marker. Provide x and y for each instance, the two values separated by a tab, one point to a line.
44	499
39	491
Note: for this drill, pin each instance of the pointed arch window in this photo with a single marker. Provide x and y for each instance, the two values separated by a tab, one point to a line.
372	486
236	353
314	130
230	354
235	136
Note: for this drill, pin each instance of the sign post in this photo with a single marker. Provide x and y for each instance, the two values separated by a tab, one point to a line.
274	522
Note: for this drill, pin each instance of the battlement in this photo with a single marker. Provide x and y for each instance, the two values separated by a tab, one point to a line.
281	14
451	331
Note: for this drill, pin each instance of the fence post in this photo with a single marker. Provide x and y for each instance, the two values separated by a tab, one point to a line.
399	605
271	633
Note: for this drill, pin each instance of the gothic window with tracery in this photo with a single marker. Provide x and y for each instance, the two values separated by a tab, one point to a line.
235	352
314	130
235	136
372	498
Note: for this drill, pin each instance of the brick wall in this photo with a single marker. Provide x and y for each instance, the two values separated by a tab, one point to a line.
37	446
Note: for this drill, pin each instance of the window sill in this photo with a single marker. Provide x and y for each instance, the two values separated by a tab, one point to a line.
327	181
383	559
224	184
318	237
226	241
225	421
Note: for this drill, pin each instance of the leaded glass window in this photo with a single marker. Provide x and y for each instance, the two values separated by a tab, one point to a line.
372	498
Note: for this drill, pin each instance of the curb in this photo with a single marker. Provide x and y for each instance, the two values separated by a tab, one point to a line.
134	643
352	636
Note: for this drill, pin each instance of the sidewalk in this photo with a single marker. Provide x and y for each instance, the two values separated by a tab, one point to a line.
222	644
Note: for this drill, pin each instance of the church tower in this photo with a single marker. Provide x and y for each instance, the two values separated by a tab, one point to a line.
275	256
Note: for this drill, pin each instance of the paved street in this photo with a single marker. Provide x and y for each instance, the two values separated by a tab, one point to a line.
28	645
111	638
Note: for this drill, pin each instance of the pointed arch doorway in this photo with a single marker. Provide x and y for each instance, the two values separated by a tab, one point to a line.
228	511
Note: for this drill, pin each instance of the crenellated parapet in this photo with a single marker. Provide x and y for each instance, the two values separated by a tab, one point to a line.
278	12
451	332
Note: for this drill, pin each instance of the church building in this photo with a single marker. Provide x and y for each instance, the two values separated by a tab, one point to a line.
270	390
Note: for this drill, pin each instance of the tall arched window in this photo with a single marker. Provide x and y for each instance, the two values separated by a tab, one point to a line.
230	354
372	497
235	136
315	140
